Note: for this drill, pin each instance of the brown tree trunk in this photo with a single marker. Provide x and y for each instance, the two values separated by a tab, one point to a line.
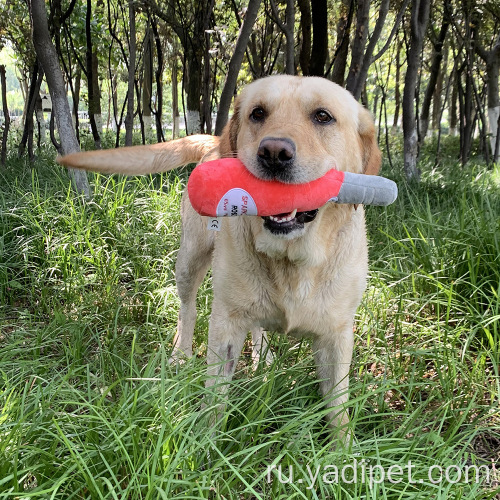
147	84
437	99
467	116
360	78
24	91
175	101
129	120
192	87
34	91
92	78
193	40
305	32
159	82
76	101
492	60
40	121
358	45
206	118
419	19
287	28
320	37
235	65
397	85
453	103
466	95
493	107
97	109
434	73
47	56
114	99
342	45
6	117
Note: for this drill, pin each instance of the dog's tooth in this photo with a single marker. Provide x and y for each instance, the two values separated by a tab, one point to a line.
287	218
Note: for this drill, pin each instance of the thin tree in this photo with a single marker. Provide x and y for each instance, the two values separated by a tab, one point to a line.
47	56
147	81
419	19
358	44
434	71
287	28
397	90
113	21
305	32
453	102
492	60
34	91
206	108
129	120
339	63
92	69
319	50
6	117
465	79
174	57
159	82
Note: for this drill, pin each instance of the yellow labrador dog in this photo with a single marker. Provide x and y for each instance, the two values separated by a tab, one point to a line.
301	273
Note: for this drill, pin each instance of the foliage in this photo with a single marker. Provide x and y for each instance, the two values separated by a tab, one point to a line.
473	27
16	31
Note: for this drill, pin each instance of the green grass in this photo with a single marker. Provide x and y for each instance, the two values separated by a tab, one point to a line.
91	408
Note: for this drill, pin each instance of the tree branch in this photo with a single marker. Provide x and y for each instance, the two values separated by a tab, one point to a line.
68	12
393	32
276	16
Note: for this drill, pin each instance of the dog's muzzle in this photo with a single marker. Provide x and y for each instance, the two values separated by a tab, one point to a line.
275	158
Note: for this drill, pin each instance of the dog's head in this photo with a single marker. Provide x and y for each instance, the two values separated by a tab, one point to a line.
295	129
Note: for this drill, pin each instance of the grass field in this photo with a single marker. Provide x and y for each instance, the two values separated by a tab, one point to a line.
90	407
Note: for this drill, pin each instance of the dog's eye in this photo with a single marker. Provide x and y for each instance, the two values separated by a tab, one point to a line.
322	116
258	114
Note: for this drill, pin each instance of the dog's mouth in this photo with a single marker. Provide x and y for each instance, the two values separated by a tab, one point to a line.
282	224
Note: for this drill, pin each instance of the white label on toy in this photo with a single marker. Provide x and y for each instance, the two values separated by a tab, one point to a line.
214	224
236	202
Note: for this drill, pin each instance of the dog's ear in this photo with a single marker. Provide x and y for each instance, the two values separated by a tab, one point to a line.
228	141
372	157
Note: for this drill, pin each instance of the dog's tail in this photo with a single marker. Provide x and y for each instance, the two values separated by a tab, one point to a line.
140	160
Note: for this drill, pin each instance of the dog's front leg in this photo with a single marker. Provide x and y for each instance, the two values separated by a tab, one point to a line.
333	355
193	262
226	336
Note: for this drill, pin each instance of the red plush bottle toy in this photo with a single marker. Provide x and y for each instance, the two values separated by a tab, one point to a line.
226	188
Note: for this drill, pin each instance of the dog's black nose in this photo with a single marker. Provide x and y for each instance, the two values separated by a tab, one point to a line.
276	154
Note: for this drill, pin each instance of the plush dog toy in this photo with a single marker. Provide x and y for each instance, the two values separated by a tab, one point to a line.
226	188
